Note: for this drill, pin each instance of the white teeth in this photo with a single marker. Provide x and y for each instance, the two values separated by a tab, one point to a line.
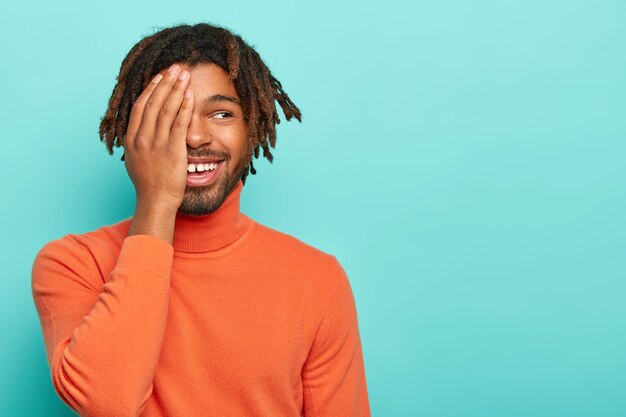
201	167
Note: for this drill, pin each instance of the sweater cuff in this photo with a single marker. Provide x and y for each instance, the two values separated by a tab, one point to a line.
146	252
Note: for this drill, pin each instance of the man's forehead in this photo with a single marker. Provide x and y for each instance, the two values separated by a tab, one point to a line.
210	83
217	98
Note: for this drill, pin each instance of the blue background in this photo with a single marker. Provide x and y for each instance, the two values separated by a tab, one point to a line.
464	160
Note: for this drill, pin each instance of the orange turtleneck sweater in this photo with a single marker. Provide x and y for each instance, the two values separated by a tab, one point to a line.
232	319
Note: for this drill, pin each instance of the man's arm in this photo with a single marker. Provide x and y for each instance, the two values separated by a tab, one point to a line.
334	374
103	342
103	345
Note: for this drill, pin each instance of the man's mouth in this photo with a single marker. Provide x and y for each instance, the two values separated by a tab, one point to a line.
201	167
203	174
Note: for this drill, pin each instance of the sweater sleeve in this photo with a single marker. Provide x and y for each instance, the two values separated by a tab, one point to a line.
103	341
334	374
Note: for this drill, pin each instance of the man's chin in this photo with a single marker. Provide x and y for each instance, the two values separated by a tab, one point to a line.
202	200
197	208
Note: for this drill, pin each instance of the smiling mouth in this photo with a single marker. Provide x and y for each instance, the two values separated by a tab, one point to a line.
203	174
202	167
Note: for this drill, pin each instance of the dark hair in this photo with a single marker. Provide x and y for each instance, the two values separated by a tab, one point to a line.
193	44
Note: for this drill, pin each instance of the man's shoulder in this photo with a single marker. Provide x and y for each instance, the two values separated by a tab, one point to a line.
282	243
110	235
95	250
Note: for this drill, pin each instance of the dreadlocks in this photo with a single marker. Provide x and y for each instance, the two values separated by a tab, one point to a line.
201	43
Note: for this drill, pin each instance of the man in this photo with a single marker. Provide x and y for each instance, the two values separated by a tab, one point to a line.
190	307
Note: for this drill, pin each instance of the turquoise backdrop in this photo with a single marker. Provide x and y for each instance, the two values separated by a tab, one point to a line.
464	160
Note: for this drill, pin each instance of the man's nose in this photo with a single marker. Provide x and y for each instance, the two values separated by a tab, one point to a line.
197	135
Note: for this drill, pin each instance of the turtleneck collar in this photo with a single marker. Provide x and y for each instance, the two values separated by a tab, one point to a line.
211	231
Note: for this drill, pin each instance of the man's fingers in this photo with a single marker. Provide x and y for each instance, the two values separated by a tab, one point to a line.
155	102
170	109
181	123
136	112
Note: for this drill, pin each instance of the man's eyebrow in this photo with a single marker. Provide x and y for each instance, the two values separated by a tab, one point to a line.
216	98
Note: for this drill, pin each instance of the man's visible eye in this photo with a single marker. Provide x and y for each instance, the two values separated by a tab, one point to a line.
223	113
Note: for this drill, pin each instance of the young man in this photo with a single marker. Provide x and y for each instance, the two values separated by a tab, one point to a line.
190	307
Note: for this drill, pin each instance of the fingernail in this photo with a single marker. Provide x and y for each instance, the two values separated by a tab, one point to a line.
174	69
157	78
188	94
183	75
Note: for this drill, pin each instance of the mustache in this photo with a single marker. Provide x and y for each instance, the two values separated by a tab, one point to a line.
208	155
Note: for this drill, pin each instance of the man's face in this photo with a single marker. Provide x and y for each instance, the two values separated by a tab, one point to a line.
217	130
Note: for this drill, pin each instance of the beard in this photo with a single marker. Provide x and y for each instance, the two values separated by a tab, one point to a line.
199	201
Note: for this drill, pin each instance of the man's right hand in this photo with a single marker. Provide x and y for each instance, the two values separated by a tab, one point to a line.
155	143
155	152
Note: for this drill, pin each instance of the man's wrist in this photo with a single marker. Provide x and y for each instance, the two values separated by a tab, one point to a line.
154	219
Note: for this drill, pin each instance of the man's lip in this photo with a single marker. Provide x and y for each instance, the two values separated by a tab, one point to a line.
191	160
